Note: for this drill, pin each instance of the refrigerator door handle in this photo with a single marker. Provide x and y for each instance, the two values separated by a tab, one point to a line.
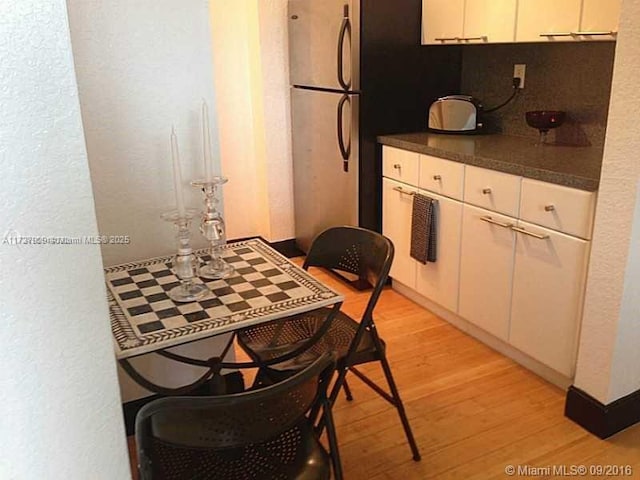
345	150
345	29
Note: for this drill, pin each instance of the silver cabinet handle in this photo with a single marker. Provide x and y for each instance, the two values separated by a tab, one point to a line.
549	208
437	177
603	32
490	220
447	39
397	166
486	191
557	34
531	234
399	189
484	38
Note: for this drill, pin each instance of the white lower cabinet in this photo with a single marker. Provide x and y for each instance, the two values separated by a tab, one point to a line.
548	286
519	281
486	269
438	280
524	284
397	204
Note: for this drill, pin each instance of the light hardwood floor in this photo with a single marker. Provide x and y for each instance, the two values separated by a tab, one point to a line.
473	411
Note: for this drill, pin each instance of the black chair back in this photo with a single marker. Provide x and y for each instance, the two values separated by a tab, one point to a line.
354	250
181	437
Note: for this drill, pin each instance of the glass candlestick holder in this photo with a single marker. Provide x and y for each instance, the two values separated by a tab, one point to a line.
213	229
185	263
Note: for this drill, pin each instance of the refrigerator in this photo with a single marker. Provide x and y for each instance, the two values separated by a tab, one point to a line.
357	70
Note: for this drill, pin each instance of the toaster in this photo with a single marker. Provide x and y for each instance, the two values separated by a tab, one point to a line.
455	114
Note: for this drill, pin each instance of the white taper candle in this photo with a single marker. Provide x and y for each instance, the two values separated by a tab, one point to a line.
177	175
206	143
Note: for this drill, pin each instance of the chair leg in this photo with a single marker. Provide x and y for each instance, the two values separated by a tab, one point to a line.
347	391
337	385
331	399
400	408
333	440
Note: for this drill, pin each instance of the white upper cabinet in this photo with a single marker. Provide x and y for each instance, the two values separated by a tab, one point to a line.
503	21
491	21
442	21
470	21
599	19
547	20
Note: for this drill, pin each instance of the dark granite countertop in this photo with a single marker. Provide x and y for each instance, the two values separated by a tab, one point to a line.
571	166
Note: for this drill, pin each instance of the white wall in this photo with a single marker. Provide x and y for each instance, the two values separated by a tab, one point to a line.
230	30
61	416
609	357
143	66
625	367
273	59
252	83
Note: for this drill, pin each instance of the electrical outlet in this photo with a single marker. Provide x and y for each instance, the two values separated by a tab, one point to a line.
518	72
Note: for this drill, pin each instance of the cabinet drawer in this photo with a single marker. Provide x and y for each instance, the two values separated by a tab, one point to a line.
561	208
441	176
492	190
400	165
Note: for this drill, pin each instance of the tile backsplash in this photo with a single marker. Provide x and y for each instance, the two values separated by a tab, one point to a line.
575	77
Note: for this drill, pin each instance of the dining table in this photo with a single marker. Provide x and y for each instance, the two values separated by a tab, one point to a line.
265	287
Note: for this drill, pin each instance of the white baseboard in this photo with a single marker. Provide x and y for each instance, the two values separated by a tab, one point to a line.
498	345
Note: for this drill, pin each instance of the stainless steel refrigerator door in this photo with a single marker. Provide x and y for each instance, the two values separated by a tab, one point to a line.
325	194
324	44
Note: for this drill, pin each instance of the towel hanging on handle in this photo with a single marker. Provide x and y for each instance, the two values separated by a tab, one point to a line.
424	229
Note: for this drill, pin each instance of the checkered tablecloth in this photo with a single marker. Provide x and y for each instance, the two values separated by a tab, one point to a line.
266	287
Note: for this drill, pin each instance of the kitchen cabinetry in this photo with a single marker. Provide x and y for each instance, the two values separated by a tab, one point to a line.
512	252
439	280
563	20
441	176
397	203
499	21
442	21
599	19
489	21
547	20
486	262
548	285
559	208
435	280
400	165
521	282
492	190
470	21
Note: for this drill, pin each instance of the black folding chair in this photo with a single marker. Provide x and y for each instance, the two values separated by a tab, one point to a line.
356	251
254	435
